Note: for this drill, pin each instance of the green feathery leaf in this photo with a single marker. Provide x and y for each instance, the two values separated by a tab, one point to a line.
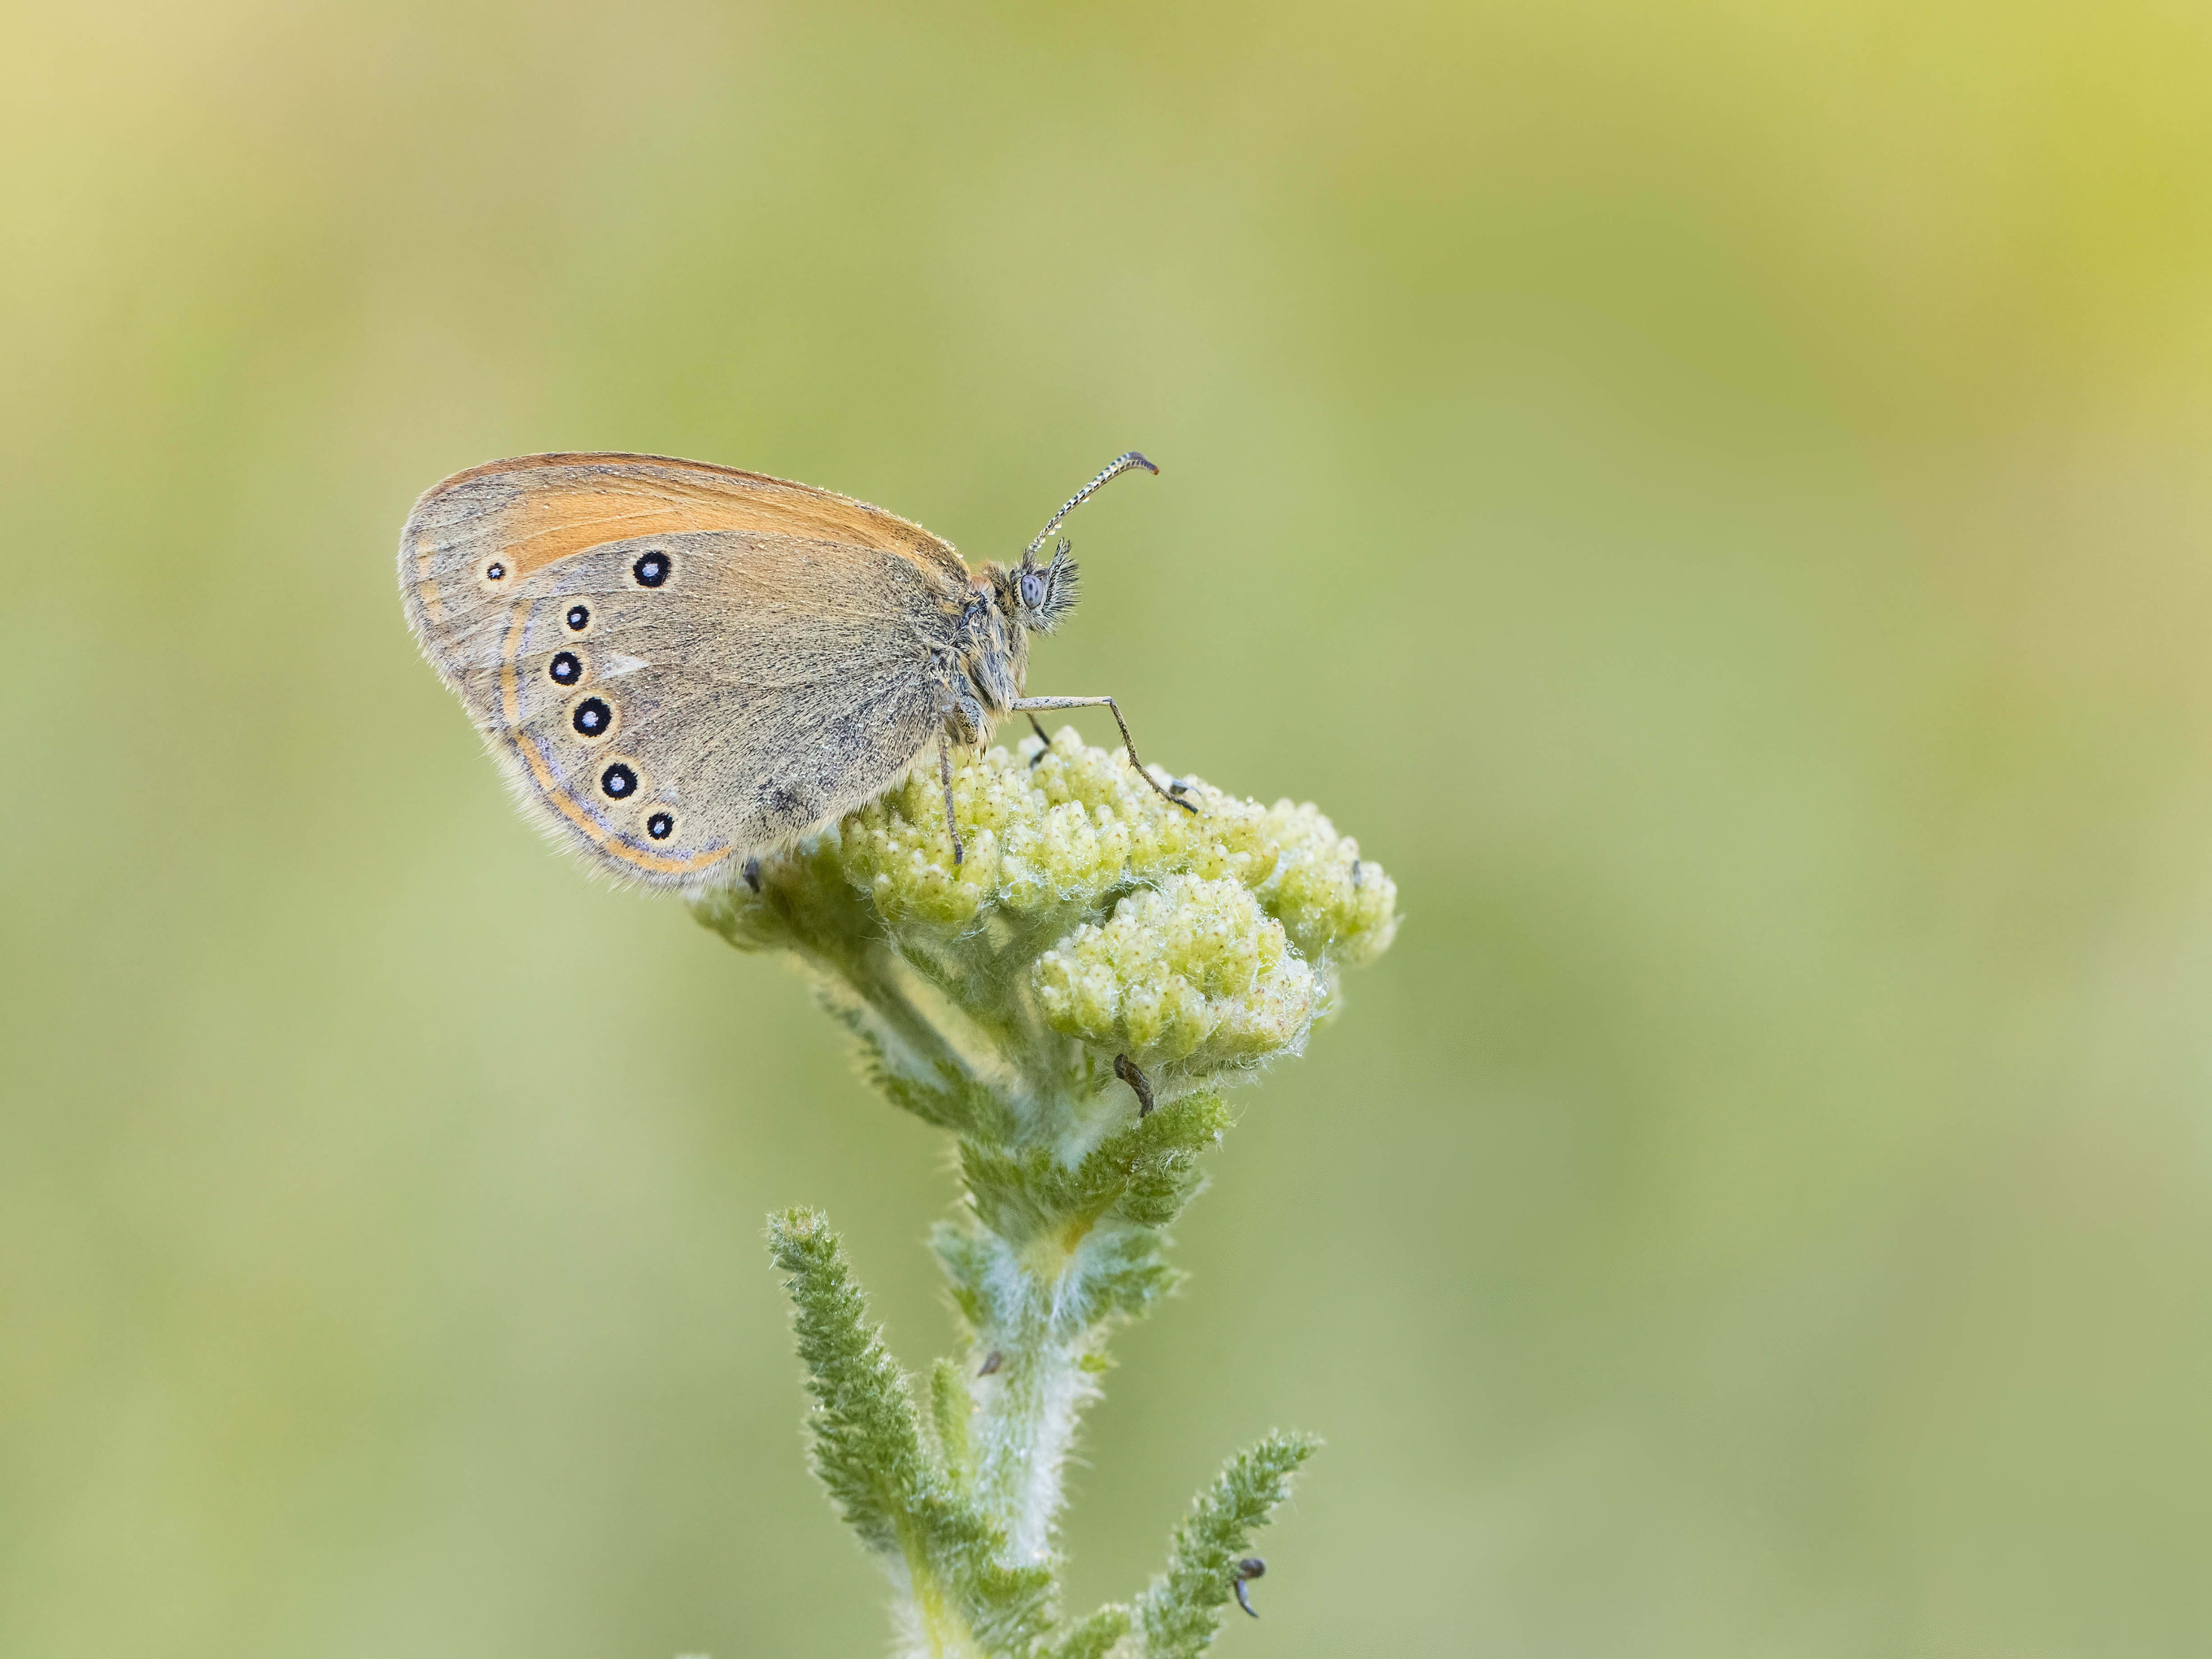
869	1452
867	1443
967	1254
1158	1157
1092	1637
948	1097
1181	1611
950	1406
1149	1170
1122	1271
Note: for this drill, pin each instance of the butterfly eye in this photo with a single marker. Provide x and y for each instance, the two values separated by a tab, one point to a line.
565	669
592	718
1033	589
617	780
651	568
580	618
494	572
661	826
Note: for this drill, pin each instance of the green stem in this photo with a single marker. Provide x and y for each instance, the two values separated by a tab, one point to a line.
1027	1406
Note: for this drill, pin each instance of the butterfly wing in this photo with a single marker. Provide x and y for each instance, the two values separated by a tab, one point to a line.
681	666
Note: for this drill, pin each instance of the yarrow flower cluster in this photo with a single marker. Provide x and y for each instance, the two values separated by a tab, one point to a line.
1198	943
1067	998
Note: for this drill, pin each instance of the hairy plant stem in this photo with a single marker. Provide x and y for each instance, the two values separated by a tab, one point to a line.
1027	1413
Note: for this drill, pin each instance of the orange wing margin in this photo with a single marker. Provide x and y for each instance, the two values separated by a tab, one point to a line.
535	510
564	503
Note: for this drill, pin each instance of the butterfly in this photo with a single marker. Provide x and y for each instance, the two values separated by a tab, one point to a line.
683	667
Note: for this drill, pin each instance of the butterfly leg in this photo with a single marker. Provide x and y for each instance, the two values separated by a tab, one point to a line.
944	772
1041	739
1023	705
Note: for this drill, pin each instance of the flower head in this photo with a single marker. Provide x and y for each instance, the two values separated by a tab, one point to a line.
1087	909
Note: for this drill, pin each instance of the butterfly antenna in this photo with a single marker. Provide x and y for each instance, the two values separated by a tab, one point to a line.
1121	465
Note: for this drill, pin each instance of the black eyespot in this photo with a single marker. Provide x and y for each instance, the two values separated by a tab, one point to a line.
580	618
592	716
495	571
564	668
1033	590
617	780
661	826
651	569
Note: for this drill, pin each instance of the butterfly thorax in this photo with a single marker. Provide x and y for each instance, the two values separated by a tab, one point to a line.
989	661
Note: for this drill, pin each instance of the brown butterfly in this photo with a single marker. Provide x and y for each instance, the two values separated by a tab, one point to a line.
683	666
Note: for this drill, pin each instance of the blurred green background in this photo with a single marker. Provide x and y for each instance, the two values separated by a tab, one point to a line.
1712	493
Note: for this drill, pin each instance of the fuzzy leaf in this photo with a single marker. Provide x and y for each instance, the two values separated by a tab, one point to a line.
1149	1169
1009	1608
1158	1158
1018	1194
868	1450
1121	1272
950	1406
947	1097
1091	1638
967	1253
1180	1612
867	1443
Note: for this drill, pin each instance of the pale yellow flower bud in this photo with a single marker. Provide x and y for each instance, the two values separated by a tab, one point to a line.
1192	974
1198	943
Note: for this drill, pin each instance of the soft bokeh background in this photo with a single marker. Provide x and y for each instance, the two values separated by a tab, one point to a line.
1713	494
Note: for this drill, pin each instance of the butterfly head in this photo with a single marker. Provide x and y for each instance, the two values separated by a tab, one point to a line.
1038	596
